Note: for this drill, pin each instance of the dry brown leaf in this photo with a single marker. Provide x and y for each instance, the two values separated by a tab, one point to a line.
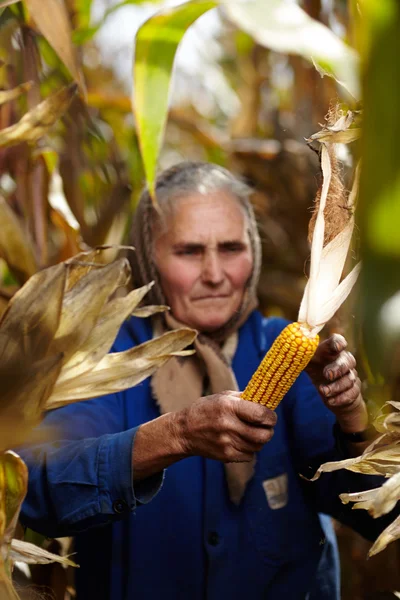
15	247
24	398
336	137
35	123
387	496
34	555
103	334
13	486
122	370
148	311
388	535
361	499
14	478
339	131
381	461
30	322
8	95
82	306
84	262
51	18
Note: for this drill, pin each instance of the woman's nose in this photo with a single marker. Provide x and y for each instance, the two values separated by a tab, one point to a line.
212	268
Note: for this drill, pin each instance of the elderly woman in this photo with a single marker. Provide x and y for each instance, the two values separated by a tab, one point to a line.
221	509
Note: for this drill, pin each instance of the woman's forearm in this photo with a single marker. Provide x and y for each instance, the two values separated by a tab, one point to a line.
156	446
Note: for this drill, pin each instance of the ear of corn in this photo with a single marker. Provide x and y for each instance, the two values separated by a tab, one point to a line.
288	356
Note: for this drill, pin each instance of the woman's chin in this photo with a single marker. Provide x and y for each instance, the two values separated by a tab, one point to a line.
210	324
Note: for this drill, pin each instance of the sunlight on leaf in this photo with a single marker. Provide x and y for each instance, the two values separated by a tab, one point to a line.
34	555
15	246
122	370
8	95
156	43
390	534
35	123
51	18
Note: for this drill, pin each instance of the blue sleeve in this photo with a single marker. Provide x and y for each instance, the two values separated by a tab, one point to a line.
85	477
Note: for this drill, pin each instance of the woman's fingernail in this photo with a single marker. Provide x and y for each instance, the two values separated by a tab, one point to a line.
325	390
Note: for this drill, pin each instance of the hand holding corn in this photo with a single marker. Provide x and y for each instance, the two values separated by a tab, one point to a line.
333	372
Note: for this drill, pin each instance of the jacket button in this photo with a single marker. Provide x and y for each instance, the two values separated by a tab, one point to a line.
120	506
213	538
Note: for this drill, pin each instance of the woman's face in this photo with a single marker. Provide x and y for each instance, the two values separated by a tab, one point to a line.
204	259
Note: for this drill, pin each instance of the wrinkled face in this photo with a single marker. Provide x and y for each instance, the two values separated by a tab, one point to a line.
204	259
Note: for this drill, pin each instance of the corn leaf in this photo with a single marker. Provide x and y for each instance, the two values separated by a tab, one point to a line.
30	322
35	123
8	95
285	27
23	398
13	487
361	499
14	479
81	264
379	207
156	43
387	496
148	311
381	461
5	3
123	370
337	137
15	248
51	18
103	334
35	555
388	535
82	306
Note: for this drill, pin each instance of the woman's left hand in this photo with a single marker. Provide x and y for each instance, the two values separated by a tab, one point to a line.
333	372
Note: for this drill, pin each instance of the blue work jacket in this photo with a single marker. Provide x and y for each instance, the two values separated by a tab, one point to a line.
177	536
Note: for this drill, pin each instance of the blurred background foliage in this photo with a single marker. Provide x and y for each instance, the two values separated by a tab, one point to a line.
234	103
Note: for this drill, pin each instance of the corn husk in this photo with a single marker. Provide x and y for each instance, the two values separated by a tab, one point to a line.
325	291
34	555
382	457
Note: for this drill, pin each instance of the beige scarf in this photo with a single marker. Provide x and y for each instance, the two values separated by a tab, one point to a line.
181	381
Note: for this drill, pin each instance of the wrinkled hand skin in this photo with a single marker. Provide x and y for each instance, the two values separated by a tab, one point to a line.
333	372
225	427
222	427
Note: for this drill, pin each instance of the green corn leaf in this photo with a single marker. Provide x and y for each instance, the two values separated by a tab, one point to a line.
156	44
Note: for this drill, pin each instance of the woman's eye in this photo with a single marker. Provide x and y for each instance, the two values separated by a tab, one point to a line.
232	249
188	252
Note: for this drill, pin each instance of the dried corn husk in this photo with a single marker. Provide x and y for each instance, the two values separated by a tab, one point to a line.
331	236
382	457
55	337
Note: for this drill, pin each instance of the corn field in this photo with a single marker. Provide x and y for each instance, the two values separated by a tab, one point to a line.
81	133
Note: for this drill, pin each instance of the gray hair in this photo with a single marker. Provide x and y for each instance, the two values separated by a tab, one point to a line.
172	184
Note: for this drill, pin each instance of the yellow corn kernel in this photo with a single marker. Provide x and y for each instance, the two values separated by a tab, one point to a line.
288	356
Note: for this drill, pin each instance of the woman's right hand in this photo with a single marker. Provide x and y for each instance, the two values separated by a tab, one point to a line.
224	427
